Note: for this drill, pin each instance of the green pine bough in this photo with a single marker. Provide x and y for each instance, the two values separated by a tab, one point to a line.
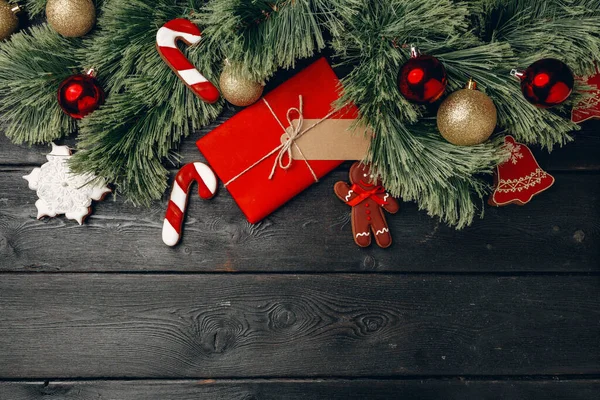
148	110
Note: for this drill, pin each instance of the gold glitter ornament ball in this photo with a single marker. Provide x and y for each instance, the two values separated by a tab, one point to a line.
467	117
71	18
8	20
239	91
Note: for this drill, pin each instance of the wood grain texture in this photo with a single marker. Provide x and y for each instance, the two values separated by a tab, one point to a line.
557	231
426	389
225	326
486	314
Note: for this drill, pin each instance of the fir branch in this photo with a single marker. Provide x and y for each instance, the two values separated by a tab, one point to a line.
125	30
258	37
35	7
122	155
149	109
414	161
32	65
565	29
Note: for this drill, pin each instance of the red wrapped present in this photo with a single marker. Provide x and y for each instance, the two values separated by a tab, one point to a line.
252	152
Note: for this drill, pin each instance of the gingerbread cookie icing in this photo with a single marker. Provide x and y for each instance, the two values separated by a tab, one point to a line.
368	199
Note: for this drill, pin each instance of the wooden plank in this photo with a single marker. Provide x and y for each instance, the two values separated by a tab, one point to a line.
427	389
342	325
582	154
13	154
557	231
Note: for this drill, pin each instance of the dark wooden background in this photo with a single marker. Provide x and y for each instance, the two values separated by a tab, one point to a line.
508	308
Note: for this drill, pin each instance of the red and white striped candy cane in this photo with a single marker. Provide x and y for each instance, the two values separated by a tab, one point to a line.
166	43
188	174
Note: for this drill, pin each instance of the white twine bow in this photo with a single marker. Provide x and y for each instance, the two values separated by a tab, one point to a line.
285	149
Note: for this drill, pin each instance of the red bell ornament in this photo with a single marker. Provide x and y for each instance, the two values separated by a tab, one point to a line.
422	79
79	95
546	83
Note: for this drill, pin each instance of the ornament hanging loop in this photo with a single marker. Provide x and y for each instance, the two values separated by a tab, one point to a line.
91	72
414	51
16	9
516	73
471	84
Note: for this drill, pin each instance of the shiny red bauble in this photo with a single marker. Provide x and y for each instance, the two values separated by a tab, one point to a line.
547	82
79	95
422	79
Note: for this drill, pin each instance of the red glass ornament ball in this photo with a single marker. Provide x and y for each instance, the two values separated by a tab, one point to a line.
422	79
79	95
547	82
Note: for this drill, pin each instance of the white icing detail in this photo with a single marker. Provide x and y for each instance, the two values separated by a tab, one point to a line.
363	234
166	37
178	196
78	215
348	195
33	178
515	152
207	175
44	209
169	235
59	151
522	183
382	231
386	196
62	192
192	76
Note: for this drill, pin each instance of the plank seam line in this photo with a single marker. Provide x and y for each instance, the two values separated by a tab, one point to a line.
307	379
316	273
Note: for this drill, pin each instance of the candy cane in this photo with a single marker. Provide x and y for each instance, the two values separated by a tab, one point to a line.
188	174
166	43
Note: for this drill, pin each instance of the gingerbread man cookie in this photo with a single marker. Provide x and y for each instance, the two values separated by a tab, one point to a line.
367	198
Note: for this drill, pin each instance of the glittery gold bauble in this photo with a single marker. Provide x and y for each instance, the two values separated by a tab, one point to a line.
239	91
467	117
71	18
8	20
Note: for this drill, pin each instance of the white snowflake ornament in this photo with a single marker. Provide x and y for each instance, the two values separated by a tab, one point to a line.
62	192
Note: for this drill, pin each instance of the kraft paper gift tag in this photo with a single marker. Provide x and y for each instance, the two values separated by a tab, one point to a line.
332	139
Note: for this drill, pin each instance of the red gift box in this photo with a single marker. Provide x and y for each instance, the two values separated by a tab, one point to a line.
244	151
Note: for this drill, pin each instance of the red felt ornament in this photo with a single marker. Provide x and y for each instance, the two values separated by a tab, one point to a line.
519	178
546	83
422	79
590	107
79	95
